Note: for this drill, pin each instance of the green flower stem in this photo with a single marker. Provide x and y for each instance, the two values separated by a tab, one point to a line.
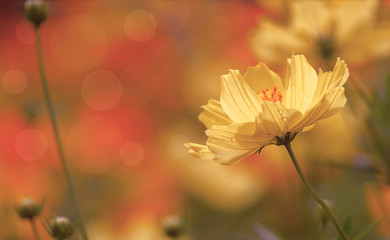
34	227
49	105
313	192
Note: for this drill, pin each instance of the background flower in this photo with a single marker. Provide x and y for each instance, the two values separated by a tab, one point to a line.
323	31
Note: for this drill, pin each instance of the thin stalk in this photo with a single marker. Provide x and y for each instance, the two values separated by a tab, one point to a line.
314	194
34	227
50	108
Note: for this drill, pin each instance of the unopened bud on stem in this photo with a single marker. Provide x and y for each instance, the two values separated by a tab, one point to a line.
28	208
172	225
36	11
60	227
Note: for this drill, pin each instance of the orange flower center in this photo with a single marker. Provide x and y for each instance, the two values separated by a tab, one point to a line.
270	95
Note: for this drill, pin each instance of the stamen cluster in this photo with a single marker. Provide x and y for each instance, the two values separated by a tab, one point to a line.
273	95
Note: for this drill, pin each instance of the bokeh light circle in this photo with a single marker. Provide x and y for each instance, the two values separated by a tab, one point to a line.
140	25
171	16
219	28
79	42
101	90
132	153
140	84
31	144
14	81
93	144
25	32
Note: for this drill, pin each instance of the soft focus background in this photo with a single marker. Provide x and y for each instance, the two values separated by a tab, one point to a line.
128	79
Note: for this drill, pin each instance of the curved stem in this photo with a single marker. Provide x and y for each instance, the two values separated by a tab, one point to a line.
34	227
49	105
313	192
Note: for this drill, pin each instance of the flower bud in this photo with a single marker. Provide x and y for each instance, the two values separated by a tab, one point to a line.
36	11
29	208
172	225
61	227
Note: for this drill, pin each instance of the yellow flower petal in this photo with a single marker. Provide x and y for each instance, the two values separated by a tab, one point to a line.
335	100
277	120
238	135
374	43
379	41
228	155
238	100
329	80
213	114
308	128
353	16
311	18
260	77
199	151
301	83
234	142
273	43
329	105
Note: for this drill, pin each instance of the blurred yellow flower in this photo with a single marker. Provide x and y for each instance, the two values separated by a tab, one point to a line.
258	108
322	30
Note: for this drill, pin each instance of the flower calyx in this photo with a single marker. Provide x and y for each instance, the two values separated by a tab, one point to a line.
286	139
280	141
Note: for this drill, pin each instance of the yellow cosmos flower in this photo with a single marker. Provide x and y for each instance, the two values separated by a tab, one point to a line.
258	108
322	30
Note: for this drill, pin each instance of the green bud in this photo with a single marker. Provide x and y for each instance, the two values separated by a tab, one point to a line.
172	225
29	208
61	227
36	11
